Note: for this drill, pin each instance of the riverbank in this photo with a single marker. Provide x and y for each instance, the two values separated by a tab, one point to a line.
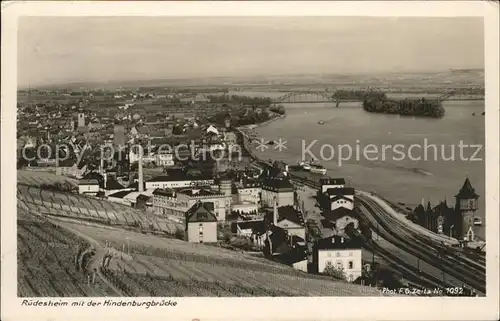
391	180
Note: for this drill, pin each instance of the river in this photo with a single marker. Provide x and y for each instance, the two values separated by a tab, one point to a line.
398	177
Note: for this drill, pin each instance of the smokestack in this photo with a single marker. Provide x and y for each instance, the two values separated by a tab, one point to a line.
140	181
101	167
275	212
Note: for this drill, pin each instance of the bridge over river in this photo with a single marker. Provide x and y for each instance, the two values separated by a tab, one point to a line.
310	97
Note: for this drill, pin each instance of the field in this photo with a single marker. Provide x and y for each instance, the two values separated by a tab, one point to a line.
46	261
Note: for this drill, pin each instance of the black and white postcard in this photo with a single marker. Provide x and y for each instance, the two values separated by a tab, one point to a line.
250	160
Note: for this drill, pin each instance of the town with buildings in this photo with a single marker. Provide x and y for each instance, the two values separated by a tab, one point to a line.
151	158
216	192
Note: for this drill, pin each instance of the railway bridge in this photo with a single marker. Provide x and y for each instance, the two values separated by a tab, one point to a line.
308	97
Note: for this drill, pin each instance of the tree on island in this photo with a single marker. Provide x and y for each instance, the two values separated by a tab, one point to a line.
378	102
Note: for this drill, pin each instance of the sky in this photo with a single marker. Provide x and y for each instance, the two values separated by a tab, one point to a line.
54	50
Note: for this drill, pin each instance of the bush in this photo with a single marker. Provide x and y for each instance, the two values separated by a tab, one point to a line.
179	234
335	273
242	243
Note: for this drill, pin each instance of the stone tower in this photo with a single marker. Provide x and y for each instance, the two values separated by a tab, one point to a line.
466	207
225	186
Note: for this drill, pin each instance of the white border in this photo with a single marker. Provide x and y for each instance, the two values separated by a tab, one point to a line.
256	308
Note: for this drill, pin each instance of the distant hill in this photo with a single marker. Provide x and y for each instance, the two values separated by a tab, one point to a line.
453	76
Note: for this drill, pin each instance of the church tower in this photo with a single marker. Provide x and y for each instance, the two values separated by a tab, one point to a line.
466	207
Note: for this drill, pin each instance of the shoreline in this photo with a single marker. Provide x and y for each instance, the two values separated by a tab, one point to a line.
296	177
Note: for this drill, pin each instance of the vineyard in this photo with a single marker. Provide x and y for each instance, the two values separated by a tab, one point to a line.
59	204
46	261
37	178
168	267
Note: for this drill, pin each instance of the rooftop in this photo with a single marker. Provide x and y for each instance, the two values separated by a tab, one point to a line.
336	242
340	191
467	191
200	212
287	213
120	194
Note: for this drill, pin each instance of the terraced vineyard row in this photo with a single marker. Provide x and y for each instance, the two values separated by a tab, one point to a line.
154	276
172	260
90	209
46	256
38	178
151	245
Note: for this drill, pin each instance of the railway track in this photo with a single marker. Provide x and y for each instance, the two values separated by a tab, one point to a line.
452	266
437	248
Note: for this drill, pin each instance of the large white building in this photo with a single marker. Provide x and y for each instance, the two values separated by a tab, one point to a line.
278	189
176	202
249	191
340	253
179	181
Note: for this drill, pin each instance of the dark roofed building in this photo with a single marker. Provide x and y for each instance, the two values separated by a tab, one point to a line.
289	213
113	184
120	194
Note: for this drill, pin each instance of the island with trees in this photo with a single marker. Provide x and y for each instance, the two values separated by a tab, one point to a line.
378	102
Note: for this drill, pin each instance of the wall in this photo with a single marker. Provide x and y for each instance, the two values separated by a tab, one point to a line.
283	198
301	232
87	189
119	201
245	208
301	266
176	184
343	257
249	195
343	203
209	232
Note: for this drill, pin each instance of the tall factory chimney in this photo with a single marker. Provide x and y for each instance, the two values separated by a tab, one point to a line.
275	212
101	166
140	180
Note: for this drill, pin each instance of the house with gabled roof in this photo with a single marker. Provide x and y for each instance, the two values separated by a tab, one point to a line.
334	198
338	252
201	224
288	218
338	219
